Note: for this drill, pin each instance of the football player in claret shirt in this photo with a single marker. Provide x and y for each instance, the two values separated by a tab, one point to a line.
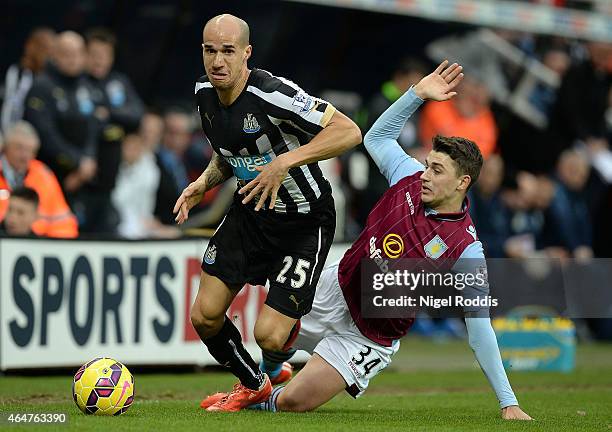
269	134
426	210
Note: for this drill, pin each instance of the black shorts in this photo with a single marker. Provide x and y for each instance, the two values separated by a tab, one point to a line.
288	250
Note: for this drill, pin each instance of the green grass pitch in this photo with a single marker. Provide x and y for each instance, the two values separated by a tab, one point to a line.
429	387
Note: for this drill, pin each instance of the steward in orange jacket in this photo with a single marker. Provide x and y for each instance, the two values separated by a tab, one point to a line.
56	219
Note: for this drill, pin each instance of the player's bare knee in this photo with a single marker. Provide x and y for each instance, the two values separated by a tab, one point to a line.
270	342
197	319
205	325
265	342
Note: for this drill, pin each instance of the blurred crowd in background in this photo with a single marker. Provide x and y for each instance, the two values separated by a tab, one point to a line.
82	155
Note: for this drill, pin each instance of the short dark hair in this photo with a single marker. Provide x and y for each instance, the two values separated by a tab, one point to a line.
101	34
27	194
463	152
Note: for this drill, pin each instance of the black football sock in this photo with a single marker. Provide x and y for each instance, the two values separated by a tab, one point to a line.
272	362
227	348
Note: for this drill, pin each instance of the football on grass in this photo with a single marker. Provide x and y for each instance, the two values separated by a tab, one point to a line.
103	386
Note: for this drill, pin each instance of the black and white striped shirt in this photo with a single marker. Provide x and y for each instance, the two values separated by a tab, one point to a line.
270	117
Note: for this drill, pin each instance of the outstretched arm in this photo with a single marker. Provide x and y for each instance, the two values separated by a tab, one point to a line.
381	140
484	344
217	171
481	335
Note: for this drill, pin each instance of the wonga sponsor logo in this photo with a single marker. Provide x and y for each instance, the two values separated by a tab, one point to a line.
244	166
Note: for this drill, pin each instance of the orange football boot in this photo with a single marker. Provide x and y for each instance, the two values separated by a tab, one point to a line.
285	375
212	399
241	397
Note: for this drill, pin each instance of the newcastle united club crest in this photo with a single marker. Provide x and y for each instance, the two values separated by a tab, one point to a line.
250	124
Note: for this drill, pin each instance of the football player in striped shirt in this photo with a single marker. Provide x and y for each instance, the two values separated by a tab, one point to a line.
268	133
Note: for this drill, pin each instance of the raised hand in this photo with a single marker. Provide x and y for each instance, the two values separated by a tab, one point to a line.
439	84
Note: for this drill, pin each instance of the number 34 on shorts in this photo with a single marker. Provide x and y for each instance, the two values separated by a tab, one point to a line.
366	362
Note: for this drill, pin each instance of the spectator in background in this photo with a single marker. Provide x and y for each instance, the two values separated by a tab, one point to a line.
567	223
409	72
19	168
468	115
20	76
591	130
151	133
545	221
176	139
118	110
134	196
151	130
114	96
526	215
59	106
489	212
369	184
21	214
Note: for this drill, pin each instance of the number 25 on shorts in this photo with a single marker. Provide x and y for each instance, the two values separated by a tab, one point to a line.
299	272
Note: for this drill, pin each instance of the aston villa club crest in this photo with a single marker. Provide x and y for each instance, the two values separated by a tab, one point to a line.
211	254
250	124
435	247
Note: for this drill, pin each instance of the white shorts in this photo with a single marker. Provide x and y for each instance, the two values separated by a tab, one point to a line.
328	330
